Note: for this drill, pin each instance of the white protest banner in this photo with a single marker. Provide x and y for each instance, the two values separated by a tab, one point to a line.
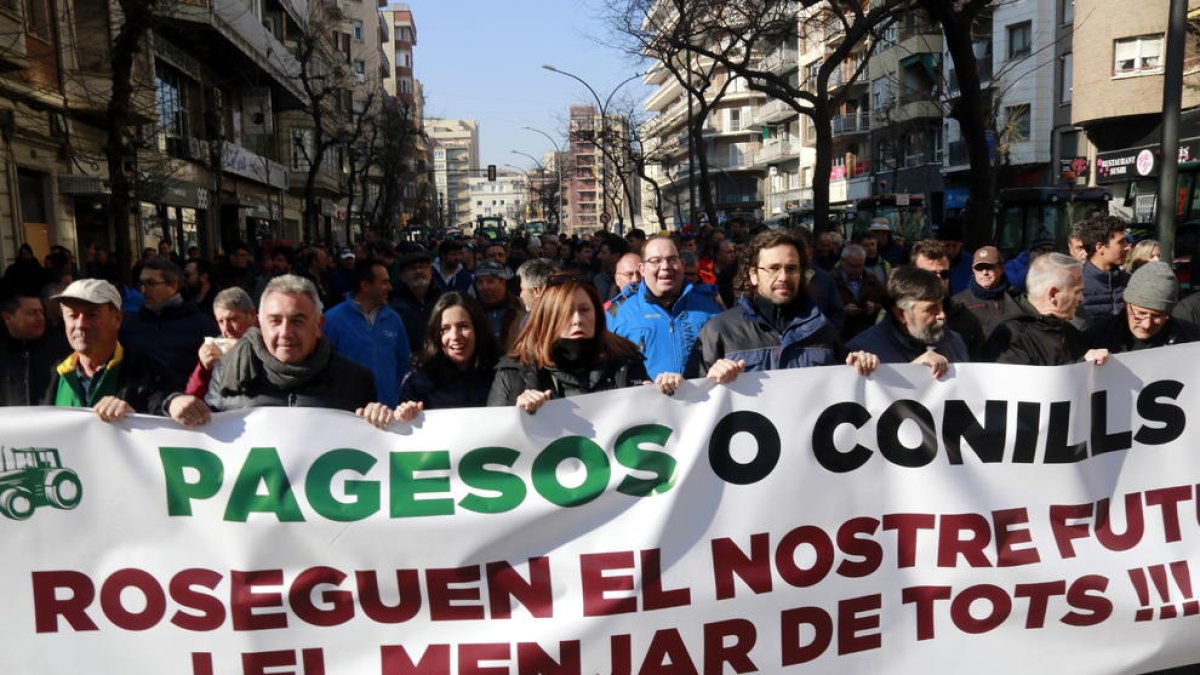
1006	519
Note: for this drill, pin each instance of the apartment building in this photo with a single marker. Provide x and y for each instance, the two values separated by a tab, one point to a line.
455	148
225	127
506	197
602	190
1116	99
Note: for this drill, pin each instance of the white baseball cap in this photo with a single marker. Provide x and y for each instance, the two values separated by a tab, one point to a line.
95	291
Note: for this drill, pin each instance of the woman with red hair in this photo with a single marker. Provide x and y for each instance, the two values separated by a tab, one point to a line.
566	349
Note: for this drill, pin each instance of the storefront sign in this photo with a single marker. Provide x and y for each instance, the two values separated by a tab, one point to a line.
1136	163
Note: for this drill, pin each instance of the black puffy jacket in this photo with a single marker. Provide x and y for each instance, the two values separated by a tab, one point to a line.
512	378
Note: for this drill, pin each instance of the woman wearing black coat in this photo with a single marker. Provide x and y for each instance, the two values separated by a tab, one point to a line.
566	349
456	365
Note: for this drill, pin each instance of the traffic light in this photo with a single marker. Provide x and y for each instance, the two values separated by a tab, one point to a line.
491	172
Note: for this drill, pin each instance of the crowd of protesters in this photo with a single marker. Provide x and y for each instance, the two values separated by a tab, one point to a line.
390	331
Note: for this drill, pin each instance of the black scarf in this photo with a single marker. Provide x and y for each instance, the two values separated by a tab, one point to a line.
574	354
249	360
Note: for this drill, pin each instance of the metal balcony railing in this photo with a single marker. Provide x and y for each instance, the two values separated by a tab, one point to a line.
854	123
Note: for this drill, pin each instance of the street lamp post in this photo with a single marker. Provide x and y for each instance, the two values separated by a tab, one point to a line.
542	180
603	129
558	161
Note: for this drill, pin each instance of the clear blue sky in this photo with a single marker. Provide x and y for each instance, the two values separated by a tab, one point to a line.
482	60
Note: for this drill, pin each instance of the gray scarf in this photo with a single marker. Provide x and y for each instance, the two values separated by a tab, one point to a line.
249	360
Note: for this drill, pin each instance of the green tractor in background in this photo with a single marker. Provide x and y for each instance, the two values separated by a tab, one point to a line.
33	477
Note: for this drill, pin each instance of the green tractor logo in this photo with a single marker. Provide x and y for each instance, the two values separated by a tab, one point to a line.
33	477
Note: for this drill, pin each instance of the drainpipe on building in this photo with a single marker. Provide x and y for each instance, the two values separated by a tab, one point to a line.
7	131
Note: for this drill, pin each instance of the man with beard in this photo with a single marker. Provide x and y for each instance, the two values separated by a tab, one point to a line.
197	276
827	251
914	329
503	310
414	294
665	314
988	296
931	256
776	324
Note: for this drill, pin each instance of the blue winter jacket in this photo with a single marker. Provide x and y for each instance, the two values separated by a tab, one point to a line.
666	339
381	347
741	333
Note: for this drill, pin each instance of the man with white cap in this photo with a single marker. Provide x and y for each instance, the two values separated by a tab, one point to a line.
1146	322
99	373
895	254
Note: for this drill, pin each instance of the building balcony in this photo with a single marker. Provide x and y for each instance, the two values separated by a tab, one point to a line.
206	29
781	61
777	151
773	111
842	75
854	123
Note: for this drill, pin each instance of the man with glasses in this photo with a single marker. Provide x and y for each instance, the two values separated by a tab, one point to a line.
664	316
931	255
1150	297
168	327
776	323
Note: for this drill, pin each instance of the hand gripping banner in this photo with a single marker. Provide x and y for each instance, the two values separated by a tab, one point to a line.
1005	519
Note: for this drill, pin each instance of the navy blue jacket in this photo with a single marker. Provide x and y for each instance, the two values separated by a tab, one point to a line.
891	344
742	333
1103	292
172	335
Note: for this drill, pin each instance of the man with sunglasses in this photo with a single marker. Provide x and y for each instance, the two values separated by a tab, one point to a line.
931	255
664	316
776	322
168	327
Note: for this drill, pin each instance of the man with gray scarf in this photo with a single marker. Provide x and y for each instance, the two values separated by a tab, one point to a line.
286	362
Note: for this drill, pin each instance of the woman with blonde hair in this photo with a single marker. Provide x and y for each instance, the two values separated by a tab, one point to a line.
1144	251
566	349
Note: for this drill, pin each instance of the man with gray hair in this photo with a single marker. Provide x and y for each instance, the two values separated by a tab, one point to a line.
1043	335
914	329
286	361
862	293
535	275
235	314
